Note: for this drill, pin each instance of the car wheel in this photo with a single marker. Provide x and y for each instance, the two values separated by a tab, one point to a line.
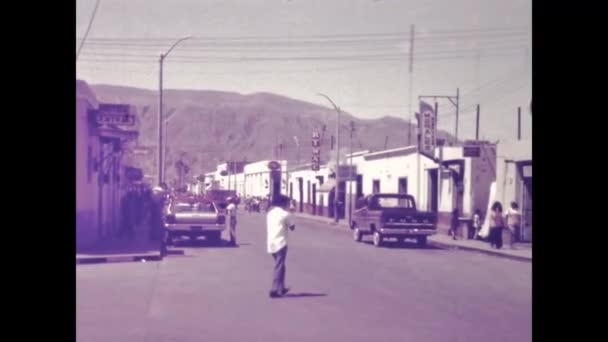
357	235
421	240
377	239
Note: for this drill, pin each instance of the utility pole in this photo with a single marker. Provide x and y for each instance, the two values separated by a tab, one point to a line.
477	124
386	142
411	70
455	100
518	123
350	183
161	175
337	188
439	167
457	110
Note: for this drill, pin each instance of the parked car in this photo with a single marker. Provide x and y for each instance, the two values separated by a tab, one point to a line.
392	216
194	218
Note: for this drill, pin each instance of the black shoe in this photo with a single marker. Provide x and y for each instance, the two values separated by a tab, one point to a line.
274	294
285	290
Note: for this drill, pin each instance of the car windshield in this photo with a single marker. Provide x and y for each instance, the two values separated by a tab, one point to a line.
196	207
395	202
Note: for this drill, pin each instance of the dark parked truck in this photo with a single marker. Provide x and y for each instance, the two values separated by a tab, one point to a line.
392	216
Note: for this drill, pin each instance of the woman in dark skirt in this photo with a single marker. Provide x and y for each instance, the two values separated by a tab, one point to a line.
497	223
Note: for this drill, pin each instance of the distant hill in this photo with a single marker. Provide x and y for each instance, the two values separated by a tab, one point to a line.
211	126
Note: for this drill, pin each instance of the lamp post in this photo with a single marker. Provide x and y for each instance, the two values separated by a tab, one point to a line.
161	175
337	197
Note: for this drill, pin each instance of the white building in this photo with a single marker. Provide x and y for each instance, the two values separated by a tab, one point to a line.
514	180
305	188
390	171
465	181
257	181
399	170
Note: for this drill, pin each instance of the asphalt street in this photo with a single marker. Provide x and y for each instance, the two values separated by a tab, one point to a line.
340	291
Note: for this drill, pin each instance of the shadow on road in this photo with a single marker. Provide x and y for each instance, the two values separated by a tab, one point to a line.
402	245
200	243
304	294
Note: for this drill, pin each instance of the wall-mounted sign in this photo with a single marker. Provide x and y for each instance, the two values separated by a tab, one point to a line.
115	114
427	129
347	172
471	151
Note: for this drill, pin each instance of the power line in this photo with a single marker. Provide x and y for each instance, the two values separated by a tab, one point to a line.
88	29
398	35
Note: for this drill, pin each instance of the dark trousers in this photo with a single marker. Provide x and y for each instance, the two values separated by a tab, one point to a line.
496	237
278	277
233	229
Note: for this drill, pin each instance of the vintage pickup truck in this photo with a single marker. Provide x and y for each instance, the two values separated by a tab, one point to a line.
392	216
194	218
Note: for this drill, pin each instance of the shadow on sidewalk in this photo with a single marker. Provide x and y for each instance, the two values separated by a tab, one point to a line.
120	246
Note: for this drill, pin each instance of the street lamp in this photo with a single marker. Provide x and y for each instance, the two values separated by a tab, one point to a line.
170	116
161	176
337	197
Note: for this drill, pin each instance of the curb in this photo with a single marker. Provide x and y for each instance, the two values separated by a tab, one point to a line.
473	249
128	258
437	244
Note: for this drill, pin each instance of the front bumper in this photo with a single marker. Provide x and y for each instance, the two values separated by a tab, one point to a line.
194	228
407	231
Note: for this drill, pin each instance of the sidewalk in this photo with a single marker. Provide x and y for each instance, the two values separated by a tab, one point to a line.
113	249
522	252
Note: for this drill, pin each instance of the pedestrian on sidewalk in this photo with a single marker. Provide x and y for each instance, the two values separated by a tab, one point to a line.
278	220
513	222
497	224
454	222
477	223
231	212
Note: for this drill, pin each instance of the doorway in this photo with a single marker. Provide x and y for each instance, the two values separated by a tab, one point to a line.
432	191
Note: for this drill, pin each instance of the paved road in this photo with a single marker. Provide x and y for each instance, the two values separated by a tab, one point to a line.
343	291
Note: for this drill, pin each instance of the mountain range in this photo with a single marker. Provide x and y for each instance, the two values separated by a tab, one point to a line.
207	127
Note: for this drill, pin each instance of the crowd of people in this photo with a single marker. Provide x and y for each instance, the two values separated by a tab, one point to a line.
499	221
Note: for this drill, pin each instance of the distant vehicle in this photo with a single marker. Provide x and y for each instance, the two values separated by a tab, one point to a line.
194	218
392	216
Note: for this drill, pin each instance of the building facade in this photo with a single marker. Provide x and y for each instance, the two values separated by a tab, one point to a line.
103	131
514	181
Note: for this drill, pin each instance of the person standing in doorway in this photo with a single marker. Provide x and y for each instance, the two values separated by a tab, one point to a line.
476	223
454	222
278	220
231	212
497	223
513	222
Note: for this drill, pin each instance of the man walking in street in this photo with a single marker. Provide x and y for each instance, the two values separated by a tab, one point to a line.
278	220
231	211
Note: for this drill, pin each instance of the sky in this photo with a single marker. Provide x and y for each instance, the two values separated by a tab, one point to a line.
355	51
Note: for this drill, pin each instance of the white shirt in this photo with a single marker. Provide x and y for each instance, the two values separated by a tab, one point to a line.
231	208
278	221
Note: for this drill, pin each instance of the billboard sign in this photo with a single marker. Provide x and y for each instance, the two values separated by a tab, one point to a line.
427	129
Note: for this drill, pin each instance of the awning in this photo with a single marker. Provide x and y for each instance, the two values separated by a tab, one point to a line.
328	186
